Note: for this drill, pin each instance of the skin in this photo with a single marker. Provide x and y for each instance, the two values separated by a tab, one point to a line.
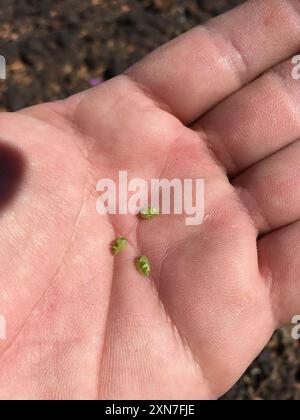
218	103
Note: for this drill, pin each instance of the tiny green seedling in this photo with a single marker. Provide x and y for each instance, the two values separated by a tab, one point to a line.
149	213
119	245
143	266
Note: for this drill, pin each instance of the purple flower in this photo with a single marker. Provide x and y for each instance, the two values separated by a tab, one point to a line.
96	82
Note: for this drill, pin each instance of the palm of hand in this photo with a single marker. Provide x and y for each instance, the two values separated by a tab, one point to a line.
82	324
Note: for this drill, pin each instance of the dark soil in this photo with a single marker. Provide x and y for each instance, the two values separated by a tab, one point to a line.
55	48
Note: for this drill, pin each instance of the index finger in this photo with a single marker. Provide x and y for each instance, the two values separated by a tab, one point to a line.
194	72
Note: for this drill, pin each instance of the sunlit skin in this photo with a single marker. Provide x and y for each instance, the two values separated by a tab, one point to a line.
218	103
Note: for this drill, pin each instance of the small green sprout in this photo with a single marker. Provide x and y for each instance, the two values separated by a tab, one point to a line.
119	245
149	213
143	266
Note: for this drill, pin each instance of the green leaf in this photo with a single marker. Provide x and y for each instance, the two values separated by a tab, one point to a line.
143	266
149	213
119	245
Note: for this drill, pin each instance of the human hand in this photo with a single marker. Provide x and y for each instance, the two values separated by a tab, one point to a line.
218	103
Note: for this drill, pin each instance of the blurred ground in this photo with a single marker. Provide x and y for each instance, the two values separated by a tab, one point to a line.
55	48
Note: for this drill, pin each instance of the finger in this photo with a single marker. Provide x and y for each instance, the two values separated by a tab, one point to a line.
279	255
270	189
136	328
204	66
257	121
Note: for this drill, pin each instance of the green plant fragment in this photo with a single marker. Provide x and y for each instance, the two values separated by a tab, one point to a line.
149	213
143	266
119	245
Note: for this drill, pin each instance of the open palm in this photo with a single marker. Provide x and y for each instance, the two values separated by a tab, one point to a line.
82	324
